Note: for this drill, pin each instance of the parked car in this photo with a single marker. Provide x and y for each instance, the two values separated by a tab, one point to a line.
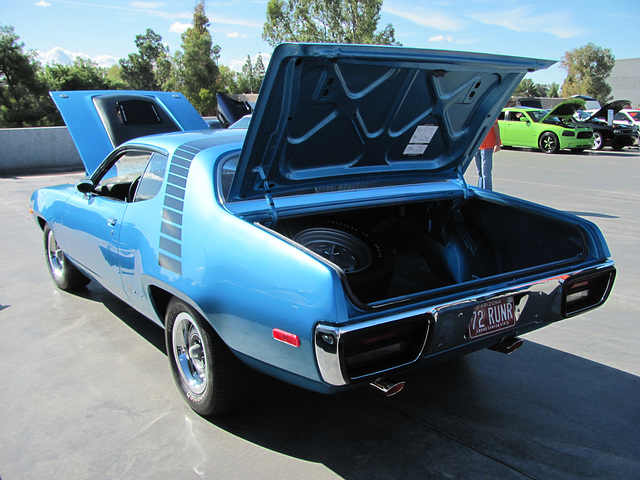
627	117
333	243
590	103
605	135
548	130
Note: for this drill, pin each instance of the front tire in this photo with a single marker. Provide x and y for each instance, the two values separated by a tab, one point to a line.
598	141
548	142
63	273
209	377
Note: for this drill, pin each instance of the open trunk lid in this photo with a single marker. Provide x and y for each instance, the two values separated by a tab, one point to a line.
331	115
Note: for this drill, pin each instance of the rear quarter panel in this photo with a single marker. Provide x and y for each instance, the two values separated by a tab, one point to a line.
247	281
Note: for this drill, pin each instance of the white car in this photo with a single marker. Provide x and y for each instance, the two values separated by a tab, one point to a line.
628	116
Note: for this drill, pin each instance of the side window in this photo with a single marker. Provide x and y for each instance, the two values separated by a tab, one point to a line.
152	178
501	116
119	181
227	172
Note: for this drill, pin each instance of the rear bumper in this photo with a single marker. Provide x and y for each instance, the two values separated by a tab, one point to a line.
354	353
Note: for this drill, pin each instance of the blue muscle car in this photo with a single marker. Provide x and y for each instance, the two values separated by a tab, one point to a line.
333	242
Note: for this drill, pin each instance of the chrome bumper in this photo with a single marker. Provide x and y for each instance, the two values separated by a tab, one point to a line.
432	329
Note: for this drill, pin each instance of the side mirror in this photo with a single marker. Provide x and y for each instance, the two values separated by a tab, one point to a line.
524	119
86	186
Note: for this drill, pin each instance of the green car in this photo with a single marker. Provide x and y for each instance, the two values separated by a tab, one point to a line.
550	131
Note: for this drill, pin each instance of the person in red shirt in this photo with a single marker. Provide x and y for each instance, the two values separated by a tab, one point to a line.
484	157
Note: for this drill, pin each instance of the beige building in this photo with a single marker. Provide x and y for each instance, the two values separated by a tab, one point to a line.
625	80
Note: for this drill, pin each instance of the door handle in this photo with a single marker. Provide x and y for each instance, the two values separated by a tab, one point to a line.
112	221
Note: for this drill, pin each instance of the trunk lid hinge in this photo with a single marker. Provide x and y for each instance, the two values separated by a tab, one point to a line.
268	197
463	182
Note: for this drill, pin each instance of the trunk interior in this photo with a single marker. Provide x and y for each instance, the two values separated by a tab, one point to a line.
392	251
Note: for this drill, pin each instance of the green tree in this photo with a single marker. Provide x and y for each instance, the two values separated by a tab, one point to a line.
326	21
249	80
197	68
587	69
83	74
246	79
227	80
150	68
554	90
23	95
259	71
114	77
528	88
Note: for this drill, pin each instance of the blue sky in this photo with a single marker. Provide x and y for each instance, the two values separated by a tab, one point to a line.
105	30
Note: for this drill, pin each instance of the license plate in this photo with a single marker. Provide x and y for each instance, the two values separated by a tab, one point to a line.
492	316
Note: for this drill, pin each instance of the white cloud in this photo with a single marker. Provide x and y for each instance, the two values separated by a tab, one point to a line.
237	35
42	3
426	18
178	27
441	38
525	19
66	57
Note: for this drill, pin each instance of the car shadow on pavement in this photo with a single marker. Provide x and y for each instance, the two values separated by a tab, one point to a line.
143	326
540	413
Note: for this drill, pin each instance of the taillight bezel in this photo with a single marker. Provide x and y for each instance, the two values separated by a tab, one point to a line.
584	292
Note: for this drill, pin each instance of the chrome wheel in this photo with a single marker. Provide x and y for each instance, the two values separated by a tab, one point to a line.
64	273
597	141
55	257
189	353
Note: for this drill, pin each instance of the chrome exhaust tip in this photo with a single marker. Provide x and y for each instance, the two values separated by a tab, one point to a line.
507	345
387	386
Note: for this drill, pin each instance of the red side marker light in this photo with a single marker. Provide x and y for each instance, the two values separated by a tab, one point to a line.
286	337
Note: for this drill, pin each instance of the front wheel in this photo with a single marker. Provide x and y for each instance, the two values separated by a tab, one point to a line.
64	274
548	142
598	141
210	378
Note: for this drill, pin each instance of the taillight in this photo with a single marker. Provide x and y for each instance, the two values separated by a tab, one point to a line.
385	347
584	292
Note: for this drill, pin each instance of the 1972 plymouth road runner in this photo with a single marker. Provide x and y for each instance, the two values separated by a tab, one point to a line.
332	243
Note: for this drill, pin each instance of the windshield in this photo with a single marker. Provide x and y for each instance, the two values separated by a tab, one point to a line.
582	115
537	115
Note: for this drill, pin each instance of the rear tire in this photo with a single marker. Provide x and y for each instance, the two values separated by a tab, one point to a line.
63	273
208	375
